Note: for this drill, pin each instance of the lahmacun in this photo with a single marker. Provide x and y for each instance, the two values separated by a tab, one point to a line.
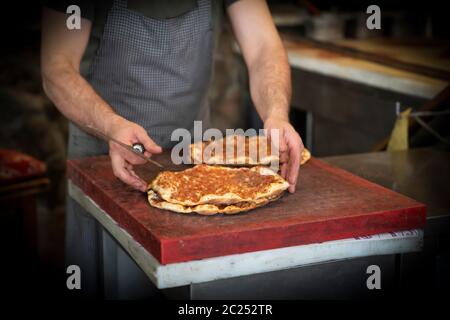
204	184
234	150
207	209
209	188
238	150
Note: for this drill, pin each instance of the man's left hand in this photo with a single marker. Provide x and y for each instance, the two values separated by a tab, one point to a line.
290	148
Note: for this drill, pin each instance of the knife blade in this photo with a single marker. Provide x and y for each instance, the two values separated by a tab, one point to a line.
137	151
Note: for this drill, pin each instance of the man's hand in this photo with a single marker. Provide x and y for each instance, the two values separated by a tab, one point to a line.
123	160
290	148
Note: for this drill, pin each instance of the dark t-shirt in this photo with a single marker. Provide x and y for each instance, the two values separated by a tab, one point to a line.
97	11
152	8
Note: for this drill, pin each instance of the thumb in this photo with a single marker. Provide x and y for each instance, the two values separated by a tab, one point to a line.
277	136
148	143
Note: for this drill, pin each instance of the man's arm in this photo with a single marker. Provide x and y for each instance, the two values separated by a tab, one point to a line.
61	53
270	78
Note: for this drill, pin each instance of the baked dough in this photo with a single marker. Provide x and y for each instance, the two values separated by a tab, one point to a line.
204	184
254	150
305	156
207	209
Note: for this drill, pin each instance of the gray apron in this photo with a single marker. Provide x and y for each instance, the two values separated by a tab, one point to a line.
154	72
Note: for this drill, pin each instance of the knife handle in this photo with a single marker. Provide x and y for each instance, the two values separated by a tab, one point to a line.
139	148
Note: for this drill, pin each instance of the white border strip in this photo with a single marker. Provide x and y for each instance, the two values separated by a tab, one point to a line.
197	271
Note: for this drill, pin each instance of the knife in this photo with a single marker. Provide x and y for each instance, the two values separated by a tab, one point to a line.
137	148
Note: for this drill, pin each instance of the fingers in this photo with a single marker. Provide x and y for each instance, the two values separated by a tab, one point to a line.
292	175
122	171
149	145
281	148
295	147
277	135
147	154
129	167
283	144
128	155
122	160
284	168
284	157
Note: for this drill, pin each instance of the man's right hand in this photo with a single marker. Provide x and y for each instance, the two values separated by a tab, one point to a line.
122	160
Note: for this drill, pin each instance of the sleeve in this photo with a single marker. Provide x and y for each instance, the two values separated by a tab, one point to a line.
87	8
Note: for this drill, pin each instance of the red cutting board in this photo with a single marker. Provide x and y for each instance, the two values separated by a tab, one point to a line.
329	204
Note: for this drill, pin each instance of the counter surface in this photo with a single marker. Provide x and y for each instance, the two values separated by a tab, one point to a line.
329	204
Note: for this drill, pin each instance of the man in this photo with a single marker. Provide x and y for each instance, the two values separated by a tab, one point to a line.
137	70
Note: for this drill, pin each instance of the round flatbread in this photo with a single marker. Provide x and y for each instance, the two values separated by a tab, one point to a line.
204	184
238	150
206	209
233	150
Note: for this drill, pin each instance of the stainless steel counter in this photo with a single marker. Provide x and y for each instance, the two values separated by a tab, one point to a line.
422	174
